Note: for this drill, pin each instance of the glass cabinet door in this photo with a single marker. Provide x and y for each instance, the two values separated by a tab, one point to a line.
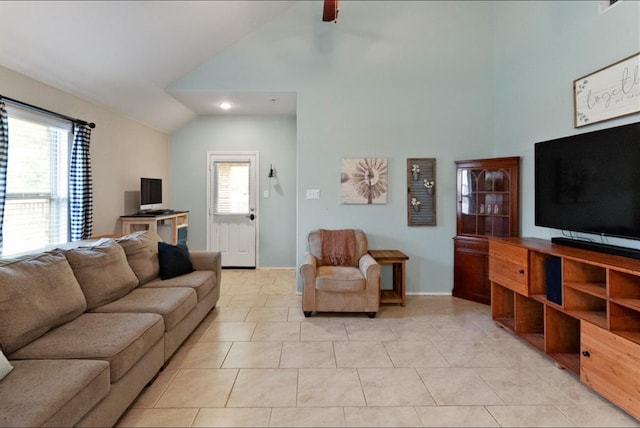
484	200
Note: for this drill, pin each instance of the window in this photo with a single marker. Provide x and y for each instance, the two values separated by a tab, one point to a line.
232	188
36	207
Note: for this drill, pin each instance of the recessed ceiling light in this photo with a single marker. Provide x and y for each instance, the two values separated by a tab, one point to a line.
225	105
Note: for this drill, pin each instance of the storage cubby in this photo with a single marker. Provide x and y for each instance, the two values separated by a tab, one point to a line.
624	289
584	275
529	320
580	302
537	271
562	338
502	306
545	278
585	291
624	321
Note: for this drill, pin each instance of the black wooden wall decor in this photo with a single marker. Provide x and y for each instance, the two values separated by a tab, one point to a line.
421	192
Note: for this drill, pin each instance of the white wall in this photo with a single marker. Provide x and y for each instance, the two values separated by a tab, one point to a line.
390	79
122	150
540	49
274	138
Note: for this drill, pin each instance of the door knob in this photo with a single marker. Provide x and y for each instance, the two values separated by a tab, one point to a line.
586	353
251	216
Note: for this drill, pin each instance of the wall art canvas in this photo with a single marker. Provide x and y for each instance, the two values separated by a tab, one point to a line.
613	91
364	180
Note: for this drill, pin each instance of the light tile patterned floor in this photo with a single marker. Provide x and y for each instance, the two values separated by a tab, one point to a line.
440	361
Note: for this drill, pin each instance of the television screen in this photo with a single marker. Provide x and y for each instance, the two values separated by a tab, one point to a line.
590	182
150	193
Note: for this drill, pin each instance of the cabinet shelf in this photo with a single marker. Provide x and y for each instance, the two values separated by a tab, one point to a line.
489	192
596	289
570	362
542	298
629	303
534	339
598	318
507	323
633	336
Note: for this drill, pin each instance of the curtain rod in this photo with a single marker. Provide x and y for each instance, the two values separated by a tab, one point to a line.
42	110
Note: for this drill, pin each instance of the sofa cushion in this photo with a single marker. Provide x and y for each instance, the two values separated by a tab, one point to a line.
340	278
37	294
141	249
120	339
203	281
174	260
172	303
52	392
5	366
102	271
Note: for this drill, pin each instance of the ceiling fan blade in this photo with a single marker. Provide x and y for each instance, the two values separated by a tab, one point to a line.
330	12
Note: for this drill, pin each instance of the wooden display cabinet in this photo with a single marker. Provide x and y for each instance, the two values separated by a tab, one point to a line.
487	205
593	330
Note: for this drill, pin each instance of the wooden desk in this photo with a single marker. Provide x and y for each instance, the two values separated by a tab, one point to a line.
397	259
168	226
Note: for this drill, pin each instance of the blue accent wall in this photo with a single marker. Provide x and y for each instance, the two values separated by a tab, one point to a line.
451	80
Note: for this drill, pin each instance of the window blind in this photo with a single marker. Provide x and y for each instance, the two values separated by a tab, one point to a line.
232	188
36	208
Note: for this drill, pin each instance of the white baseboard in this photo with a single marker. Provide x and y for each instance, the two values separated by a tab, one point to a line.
275	268
429	293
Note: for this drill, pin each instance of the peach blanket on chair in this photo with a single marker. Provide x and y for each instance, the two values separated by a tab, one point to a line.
338	247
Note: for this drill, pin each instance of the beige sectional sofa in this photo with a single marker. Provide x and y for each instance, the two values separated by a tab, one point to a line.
86	328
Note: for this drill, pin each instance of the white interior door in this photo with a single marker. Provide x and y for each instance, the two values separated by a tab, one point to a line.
232	207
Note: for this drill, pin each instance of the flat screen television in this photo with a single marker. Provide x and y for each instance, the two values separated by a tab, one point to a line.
150	194
590	182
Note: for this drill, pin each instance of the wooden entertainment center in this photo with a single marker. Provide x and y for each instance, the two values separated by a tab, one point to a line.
581	308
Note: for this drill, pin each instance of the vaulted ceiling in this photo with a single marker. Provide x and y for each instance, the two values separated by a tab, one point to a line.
125	54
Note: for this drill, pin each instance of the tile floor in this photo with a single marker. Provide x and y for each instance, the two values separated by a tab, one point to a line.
440	361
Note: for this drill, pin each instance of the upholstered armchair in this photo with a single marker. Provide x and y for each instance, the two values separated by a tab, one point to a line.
339	274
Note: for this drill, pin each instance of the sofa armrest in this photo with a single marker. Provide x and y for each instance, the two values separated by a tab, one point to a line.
206	260
369	266
308	267
308	272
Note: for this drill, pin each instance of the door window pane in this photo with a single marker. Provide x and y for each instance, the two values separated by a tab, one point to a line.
232	188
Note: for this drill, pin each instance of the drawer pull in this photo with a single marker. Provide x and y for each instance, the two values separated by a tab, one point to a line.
521	271
586	354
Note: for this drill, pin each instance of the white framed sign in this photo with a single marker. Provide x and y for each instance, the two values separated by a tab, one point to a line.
612	91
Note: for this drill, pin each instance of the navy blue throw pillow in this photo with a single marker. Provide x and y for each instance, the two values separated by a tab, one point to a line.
174	260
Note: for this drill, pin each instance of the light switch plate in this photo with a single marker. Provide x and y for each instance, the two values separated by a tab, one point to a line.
313	193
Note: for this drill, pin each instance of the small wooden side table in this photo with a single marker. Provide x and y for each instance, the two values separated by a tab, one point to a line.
397	259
